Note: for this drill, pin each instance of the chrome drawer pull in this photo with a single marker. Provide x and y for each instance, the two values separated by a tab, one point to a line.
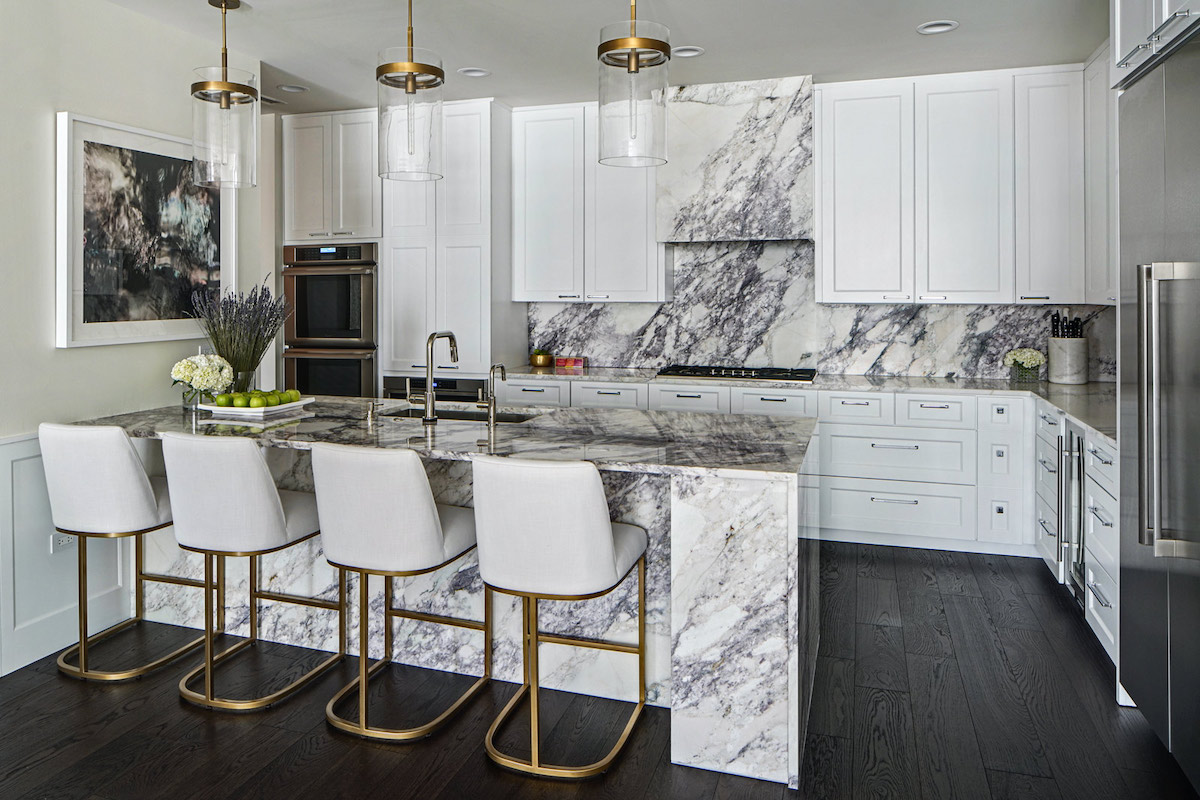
943	406
1048	532
1095	512
601	391
1035	297
688	396
773	399
597	297
1049	420
442	366
568	297
895	502
1100	457
418	366
897	297
856	402
1046	466
895	446
933	297
325	233
343	233
1124	62
1156	34
1099	595
526	389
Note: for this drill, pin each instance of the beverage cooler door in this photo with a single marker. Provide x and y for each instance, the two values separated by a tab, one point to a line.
341	373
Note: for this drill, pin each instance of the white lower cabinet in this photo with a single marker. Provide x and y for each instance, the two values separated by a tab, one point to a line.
874	408
772	402
895	453
609	395
711	399
898	507
1100	607
1100	520
535	393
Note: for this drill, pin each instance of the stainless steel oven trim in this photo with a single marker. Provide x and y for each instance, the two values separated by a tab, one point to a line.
366	357
367	301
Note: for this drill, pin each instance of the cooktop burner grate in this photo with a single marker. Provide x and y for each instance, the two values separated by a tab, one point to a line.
797	375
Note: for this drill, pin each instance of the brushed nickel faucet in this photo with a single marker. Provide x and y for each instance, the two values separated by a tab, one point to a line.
489	402
429	397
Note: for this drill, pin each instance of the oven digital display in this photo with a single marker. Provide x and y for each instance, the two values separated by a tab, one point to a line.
325	250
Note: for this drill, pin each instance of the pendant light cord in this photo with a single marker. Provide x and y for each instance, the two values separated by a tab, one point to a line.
632	18
410	31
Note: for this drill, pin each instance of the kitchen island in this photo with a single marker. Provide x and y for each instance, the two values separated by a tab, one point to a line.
731	574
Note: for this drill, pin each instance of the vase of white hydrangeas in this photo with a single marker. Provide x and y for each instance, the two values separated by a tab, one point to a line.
202	377
1025	364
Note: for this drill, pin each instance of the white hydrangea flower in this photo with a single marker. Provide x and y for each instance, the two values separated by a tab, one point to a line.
210	374
1025	357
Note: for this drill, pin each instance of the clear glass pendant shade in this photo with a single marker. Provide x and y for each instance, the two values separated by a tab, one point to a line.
410	114
633	112
225	128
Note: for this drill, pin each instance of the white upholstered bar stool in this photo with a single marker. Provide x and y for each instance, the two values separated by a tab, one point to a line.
378	517
226	505
544	534
99	489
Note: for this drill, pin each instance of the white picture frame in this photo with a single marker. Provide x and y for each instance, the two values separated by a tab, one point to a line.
70	328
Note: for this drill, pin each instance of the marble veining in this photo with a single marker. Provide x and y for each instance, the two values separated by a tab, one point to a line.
740	162
754	304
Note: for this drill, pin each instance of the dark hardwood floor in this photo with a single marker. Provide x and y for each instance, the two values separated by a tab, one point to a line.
940	675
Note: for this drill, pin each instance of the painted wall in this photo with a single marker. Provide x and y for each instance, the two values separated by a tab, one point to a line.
754	303
95	59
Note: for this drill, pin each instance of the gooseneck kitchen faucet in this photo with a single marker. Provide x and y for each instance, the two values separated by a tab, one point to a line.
430	396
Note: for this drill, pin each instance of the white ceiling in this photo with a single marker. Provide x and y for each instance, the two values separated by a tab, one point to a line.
543	51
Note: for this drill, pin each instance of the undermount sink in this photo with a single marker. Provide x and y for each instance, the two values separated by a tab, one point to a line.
470	416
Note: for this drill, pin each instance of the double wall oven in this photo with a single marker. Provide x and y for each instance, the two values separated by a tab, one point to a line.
331	335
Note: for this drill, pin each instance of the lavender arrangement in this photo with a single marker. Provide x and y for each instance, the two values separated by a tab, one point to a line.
241	327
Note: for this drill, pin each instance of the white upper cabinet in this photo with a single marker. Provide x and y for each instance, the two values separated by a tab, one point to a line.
865	181
1100	201
964	188
582	231
548	203
406	302
1050	187
1143	28
331	176
410	209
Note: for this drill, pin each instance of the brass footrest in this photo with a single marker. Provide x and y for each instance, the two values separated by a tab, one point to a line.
74	671
252	704
361	728
534	765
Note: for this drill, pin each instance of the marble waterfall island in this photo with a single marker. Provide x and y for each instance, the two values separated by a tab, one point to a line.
731	583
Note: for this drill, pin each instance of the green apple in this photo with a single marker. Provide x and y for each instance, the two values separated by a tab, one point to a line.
272	399
293	395
241	400
223	400
258	401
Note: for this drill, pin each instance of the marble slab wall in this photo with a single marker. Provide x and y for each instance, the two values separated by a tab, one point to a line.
740	162
754	303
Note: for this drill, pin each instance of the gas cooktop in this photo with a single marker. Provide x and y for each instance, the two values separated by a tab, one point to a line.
797	375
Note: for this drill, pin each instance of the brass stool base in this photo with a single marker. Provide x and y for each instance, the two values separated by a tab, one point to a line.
73	671
253	704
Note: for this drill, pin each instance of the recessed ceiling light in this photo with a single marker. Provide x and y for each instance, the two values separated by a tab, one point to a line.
937	26
474	72
294	88
687	51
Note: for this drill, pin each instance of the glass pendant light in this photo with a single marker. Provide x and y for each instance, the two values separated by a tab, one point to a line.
225	121
633	86
410	112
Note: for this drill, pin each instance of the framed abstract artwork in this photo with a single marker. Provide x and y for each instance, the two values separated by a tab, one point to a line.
135	236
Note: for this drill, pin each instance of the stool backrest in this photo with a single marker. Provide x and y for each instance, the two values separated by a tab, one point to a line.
222	494
377	510
542	526
96	481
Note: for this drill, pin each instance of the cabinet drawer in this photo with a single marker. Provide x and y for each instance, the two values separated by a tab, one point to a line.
711	399
1002	516
916	509
1002	413
1100	607
871	408
867	451
1045	521
536	393
1045	468
1003	458
1100	463
609	395
1049	422
779	403
1101	516
932	411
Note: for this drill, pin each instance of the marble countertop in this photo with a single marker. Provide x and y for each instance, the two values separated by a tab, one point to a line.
1092	404
654	442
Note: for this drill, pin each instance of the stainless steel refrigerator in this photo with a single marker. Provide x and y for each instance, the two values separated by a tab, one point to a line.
1159	162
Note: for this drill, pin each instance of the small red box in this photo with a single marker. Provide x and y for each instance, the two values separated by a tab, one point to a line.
569	362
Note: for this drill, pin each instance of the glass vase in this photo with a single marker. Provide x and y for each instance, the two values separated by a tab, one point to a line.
1019	374
243	382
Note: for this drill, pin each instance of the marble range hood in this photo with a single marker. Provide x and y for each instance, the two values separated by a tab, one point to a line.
740	162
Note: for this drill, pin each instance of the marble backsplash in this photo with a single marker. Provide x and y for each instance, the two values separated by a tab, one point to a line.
754	303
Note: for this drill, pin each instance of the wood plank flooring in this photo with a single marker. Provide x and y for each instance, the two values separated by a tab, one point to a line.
967	676
940	675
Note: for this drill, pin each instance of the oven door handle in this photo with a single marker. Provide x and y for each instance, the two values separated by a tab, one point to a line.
328	352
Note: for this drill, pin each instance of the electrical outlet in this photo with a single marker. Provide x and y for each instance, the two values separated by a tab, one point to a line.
60	542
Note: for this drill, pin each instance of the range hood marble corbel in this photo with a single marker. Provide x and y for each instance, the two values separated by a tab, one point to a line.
740	162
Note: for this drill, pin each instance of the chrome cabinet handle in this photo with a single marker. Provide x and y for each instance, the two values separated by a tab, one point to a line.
933	297
441	366
601	391
535	391
417	366
322	233
597	297
856	402
1099	595
895	446
897	297
895	502
773	399
1048	532
943	406
343	233
1035	297
1124	62
1156	35
1049	420
568	297
1047	466
1099	456
1095	512
688	396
